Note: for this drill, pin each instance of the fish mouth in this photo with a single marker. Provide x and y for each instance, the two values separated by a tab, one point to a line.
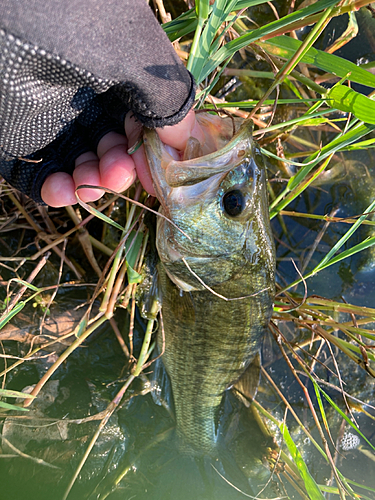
169	173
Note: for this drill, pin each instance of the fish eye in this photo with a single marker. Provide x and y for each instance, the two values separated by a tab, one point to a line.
234	202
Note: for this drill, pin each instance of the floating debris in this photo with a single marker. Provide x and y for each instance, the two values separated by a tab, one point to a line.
349	441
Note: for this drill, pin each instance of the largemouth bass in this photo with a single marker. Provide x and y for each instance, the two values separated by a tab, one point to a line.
216	274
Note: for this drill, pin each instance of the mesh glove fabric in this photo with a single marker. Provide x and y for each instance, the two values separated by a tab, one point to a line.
69	71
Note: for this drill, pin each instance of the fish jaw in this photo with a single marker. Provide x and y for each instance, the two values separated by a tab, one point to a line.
167	172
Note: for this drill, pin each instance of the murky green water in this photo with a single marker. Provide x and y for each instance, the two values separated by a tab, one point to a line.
138	443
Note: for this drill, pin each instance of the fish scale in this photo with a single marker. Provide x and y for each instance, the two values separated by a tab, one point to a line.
206	357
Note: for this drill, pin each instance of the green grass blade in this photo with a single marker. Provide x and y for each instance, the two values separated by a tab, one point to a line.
208	42
133	276
321	408
8	406
297	189
346	99
354	348
202	95
174	27
370	143
26	284
187	22
244	4
367	488
183	29
336	145
335	491
99	215
300	120
132	247
326	218
311	487
203	9
284	46
270	102
367	243
346	236
285	160
5	393
344	416
82	327
254	35
12	313
205	39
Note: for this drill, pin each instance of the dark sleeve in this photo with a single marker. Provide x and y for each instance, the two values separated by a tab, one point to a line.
70	68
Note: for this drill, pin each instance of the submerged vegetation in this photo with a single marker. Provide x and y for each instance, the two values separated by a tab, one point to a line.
314	115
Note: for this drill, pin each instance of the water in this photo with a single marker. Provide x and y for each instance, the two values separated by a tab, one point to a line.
138	444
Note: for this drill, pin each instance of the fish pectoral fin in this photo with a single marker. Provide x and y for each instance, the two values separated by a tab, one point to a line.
245	389
161	390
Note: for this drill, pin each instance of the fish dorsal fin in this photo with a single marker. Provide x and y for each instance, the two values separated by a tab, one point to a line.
247	385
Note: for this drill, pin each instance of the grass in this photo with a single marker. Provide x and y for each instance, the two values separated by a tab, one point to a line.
305	327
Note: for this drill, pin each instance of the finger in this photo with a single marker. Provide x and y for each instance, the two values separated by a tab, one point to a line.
109	141
177	135
133	129
58	190
87	172
117	169
143	170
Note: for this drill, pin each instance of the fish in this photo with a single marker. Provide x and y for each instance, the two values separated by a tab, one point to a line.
216	273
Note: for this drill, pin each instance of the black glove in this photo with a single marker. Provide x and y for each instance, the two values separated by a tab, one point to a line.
69	71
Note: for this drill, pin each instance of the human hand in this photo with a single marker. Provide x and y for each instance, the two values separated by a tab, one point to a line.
112	167
70	84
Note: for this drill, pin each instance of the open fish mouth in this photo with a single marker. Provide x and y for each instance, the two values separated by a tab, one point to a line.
230	151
